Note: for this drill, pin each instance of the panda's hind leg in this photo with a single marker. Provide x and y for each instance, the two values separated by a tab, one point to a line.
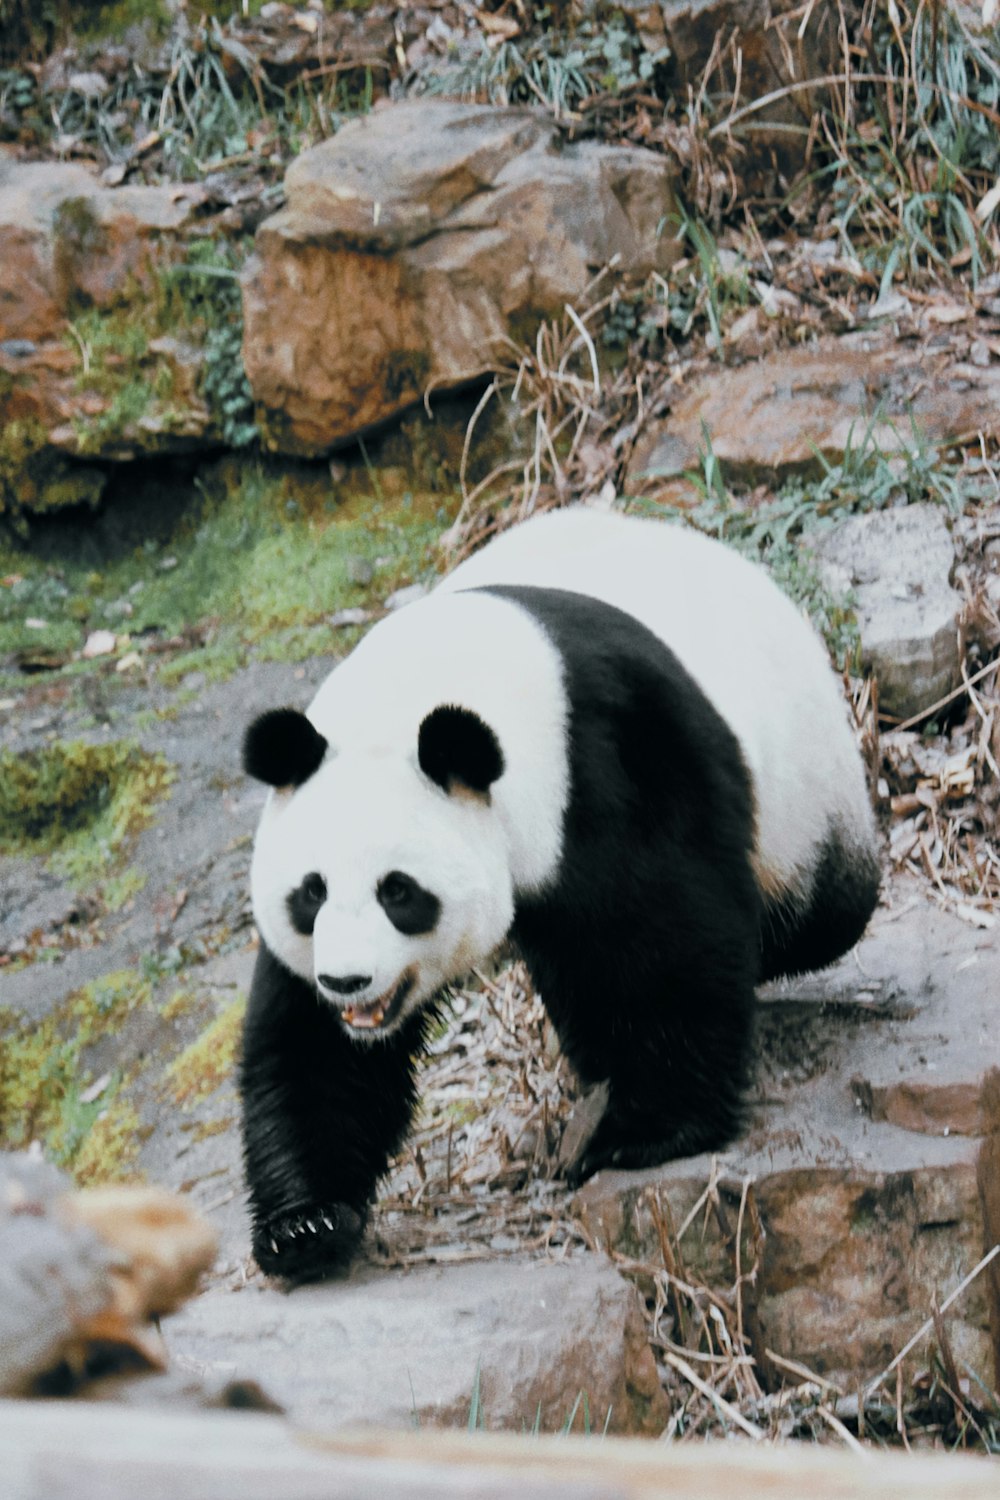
798	937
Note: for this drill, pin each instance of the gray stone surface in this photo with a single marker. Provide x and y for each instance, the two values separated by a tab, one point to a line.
397	1348
897	564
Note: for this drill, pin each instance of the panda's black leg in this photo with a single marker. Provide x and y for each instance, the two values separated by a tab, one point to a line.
322	1117
672	1040
684	1097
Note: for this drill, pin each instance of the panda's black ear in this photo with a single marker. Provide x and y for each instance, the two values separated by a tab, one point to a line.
454	745
282	748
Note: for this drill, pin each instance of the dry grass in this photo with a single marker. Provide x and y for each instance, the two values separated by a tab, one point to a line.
477	1176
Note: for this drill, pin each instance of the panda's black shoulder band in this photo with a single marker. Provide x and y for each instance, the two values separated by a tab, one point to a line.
454	745
282	748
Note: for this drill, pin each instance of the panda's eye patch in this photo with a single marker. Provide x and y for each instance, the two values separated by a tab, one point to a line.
305	901
411	909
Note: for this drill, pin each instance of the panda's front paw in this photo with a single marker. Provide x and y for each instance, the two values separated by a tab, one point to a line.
309	1243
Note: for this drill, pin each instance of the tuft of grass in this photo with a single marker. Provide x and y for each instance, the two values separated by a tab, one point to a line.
206	294
108	1150
912	143
560	72
207	103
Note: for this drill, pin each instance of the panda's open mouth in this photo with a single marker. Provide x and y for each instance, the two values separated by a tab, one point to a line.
380	1012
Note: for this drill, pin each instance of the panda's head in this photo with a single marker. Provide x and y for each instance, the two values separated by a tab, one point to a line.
379	875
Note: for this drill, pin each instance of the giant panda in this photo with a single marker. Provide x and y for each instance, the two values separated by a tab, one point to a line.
613	740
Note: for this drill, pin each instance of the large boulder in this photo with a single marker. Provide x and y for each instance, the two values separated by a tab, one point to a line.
417	243
394	1348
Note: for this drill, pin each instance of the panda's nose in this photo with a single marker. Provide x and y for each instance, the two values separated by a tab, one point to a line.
349	985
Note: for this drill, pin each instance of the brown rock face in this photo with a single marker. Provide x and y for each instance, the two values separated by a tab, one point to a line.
416	243
767	418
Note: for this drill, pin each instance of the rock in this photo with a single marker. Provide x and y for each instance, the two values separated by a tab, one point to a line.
420	240
897	564
79	1270
767	419
69	245
395	1348
872	1154
400	598
67	242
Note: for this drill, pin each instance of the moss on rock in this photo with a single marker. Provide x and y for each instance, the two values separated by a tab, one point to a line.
78	802
46	1084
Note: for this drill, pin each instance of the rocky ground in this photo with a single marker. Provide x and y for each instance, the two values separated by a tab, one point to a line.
785	368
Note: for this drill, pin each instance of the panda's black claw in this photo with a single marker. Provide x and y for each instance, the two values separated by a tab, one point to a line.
308	1244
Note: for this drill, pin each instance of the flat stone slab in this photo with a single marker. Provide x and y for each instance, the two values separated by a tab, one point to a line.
402	1348
872	1152
767	419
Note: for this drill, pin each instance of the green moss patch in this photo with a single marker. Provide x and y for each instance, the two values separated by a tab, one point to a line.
173	339
77	802
251	553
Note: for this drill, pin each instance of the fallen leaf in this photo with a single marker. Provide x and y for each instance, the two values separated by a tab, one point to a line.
947	312
501	26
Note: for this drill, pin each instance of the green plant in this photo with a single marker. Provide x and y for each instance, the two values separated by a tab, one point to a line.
915	143
557	71
44	1073
209	104
208	292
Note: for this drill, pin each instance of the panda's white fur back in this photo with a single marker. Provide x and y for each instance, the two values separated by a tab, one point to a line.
745	644
752	653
